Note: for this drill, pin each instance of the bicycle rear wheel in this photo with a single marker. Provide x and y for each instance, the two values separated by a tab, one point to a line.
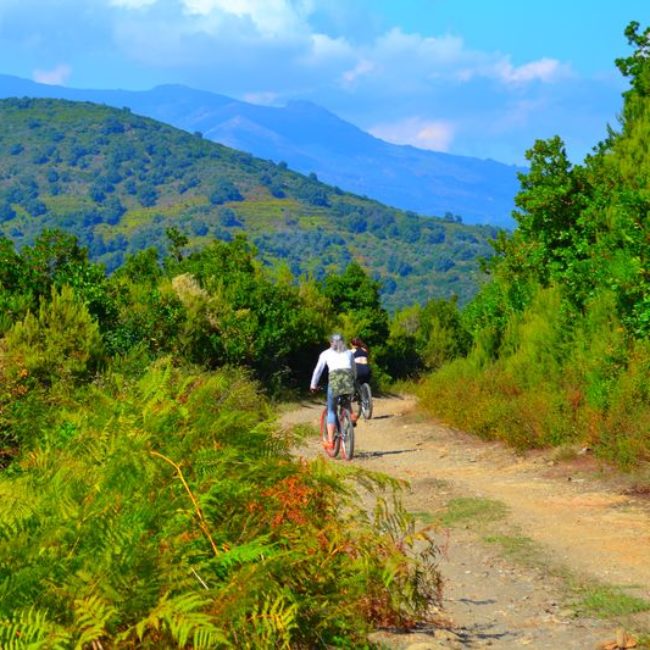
334	452
357	406
365	401
347	433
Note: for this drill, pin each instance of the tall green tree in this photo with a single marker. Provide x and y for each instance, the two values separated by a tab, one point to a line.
355	294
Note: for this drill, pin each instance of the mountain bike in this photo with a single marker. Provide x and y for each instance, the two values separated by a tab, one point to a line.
344	431
363	401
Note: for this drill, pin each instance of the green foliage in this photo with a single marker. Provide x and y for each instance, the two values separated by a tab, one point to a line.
147	316
62	344
55	260
177	241
551	199
442	336
41	359
424	338
560	334
637	66
356	295
224	191
237	314
173	514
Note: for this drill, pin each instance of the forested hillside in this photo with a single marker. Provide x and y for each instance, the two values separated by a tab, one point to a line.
117	181
560	350
311	139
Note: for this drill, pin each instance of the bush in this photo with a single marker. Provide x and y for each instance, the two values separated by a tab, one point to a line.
62	344
171	512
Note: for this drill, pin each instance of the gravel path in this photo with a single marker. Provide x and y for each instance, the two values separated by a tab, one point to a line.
567	514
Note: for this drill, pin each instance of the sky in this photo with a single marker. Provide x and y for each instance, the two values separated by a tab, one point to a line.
482	78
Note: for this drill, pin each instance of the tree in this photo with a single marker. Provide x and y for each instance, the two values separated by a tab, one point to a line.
637	66
224	191
551	199
62	343
177	241
355	294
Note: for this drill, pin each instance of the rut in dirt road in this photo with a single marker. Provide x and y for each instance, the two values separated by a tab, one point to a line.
576	514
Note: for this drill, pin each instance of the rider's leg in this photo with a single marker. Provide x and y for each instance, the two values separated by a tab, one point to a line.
354	416
331	415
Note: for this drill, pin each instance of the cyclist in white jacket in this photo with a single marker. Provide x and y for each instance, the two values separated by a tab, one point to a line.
339	362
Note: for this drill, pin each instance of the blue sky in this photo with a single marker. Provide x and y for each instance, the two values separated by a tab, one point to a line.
482	78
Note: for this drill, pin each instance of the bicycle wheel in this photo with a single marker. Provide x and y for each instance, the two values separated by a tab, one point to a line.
357	406
332	453
365	401
347	432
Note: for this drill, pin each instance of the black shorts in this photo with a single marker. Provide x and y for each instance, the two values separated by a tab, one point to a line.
363	373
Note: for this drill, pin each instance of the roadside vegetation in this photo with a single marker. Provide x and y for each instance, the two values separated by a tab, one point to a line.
148	497
558	349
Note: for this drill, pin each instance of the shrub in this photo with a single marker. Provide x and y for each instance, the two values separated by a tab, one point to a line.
61	344
171	513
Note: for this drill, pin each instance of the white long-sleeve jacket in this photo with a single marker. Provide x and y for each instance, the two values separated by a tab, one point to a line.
334	361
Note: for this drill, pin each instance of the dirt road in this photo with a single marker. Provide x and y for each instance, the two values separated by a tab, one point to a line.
538	534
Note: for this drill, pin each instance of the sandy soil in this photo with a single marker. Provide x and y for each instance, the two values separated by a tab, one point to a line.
581	516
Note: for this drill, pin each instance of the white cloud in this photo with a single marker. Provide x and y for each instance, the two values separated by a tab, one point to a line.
433	50
271	18
436	135
362	68
325	49
545	70
55	77
272	51
428	59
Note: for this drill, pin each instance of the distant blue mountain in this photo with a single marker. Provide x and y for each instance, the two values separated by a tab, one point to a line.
311	139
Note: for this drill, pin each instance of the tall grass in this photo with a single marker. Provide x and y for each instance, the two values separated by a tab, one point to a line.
560	377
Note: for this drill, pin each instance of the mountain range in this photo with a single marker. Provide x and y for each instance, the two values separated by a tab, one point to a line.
311	139
119	181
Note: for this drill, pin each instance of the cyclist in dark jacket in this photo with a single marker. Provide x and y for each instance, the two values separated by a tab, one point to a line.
361	353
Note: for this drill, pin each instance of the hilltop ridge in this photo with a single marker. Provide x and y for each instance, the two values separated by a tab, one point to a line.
309	138
118	180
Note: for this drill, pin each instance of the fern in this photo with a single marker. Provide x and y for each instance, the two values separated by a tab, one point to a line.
272	624
233	543
31	630
91	618
181	617
17	506
244	554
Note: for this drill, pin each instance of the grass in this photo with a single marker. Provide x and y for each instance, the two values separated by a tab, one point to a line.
470	512
588	597
519	548
564	453
607	601
67	203
424	517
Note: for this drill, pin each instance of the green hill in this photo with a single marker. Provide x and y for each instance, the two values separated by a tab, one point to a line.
118	181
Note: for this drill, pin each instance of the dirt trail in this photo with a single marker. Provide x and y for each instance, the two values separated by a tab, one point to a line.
577	514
